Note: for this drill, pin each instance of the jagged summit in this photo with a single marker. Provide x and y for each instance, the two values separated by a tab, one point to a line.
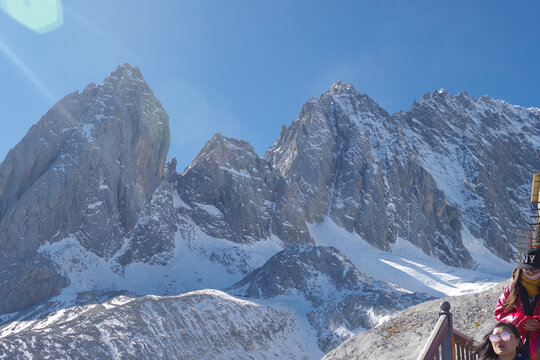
229	143
222	150
340	87
126	71
245	198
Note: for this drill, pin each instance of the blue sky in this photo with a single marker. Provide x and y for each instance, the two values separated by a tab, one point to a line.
244	68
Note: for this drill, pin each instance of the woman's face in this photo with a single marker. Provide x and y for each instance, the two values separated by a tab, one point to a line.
531	272
504	347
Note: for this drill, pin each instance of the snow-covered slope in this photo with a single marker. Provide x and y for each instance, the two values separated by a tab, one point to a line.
206	324
337	299
482	153
411	269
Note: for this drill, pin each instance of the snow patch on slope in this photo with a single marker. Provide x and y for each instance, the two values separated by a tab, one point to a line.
199	261
204	324
409	268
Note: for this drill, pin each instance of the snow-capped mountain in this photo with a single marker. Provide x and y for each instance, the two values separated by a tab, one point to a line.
348	196
481	153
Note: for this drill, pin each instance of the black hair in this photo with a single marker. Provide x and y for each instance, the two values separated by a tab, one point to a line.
486	351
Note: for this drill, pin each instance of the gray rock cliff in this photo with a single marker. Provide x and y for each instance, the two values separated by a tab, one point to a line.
483	152
352	161
234	194
85	170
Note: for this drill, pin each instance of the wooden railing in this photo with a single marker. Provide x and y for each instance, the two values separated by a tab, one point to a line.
446	343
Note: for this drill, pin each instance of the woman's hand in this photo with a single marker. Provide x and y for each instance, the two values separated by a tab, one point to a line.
532	325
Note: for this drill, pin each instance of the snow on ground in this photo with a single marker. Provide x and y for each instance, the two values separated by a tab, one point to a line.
411	269
226	327
190	268
485	261
298	306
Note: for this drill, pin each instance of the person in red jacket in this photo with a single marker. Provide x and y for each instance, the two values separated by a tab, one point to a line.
519	303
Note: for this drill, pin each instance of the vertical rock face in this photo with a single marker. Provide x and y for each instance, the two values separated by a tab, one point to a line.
482	152
85	170
232	193
352	161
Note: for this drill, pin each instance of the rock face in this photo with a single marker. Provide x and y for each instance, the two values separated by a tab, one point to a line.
234	194
342	298
205	324
352	161
483	153
403	336
85	170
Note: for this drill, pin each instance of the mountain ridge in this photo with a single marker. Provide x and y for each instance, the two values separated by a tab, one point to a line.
104	212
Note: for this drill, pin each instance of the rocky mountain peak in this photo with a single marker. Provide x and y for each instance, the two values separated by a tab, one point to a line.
224	151
85	171
345	96
340	87
346	156
235	194
439	95
443	99
125	72
303	269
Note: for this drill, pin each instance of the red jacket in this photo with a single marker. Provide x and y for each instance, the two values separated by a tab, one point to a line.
517	317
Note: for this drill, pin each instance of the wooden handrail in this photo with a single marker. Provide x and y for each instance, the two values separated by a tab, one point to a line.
464	340
446	341
435	339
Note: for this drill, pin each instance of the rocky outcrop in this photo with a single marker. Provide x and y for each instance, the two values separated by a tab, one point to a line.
85	170
232	193
403	336
342	298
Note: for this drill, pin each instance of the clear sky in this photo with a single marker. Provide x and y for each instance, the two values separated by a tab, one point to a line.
244	68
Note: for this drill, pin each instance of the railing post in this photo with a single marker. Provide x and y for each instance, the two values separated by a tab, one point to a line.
446	346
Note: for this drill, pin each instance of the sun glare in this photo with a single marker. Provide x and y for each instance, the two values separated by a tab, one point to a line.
40	16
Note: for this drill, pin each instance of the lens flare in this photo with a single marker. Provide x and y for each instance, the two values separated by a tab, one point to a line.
40	16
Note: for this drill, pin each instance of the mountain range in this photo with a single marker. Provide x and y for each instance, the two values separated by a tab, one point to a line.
296	238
